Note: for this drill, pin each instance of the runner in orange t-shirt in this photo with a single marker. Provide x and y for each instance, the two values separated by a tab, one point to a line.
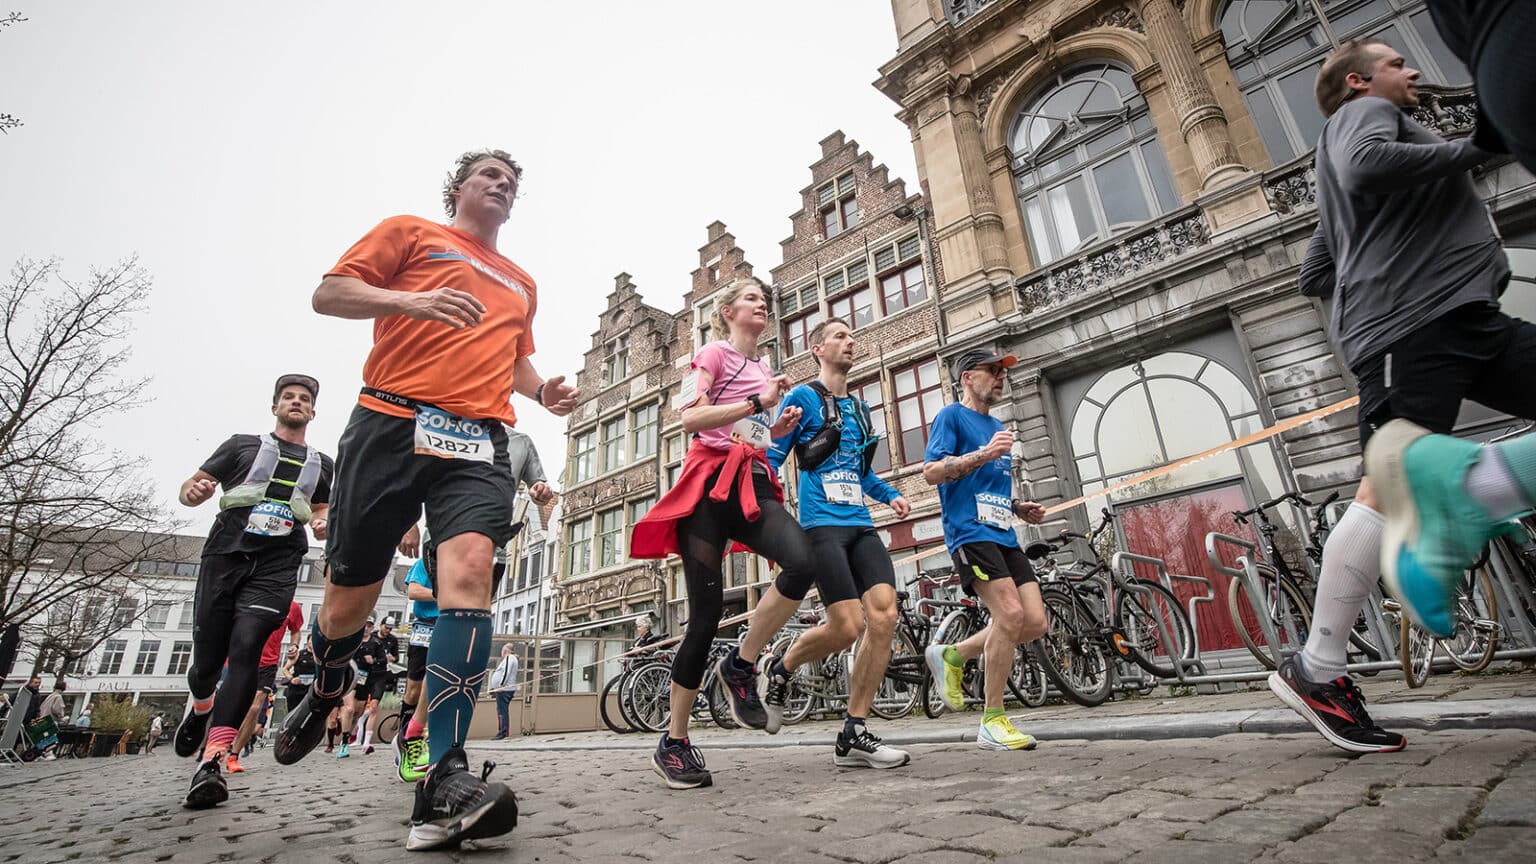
451	343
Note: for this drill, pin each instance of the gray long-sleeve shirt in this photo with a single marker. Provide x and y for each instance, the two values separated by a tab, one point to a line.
1402	237
526	466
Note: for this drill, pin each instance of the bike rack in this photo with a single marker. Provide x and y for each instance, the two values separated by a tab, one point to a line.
1166	579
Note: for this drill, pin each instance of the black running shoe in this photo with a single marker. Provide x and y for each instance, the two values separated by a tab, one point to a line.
775	687
304	726
681	765
190	734
865	748
208	787
453	805
741	692
1336	709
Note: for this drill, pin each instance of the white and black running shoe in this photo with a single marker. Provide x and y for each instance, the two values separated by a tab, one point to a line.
453	805
866	750
775	690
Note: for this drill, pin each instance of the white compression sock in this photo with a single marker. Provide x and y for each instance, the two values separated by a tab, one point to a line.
1351	567
1493	485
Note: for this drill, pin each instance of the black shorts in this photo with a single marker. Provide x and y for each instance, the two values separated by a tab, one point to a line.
266	678
1475	352
850	560
415	662
379	683
985	562
256	584
382	483
293	693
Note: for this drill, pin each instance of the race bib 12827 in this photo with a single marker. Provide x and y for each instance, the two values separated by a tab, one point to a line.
447	436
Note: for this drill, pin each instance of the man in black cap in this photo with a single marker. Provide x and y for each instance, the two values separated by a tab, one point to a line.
273	485
968	458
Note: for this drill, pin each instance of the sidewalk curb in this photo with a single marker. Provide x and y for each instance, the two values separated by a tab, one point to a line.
1429	716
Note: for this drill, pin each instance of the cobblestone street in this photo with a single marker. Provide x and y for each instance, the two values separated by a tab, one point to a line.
1454	795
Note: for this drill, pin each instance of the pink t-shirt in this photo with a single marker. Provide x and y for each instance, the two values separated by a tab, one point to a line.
732	378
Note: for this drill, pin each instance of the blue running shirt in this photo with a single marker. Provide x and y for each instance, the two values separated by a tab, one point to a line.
841	473
421	610
986	493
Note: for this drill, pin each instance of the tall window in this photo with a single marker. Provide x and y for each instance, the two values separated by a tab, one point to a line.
112	652
579	543
583	456
124	614
797	332
919	396
1086	161
181	658
1275	48
149	652
870	392
610	537
613	443
616	363
839	208
900	270
155	617
644	424
188	612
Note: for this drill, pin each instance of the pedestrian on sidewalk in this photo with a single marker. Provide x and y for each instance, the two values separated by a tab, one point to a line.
504	685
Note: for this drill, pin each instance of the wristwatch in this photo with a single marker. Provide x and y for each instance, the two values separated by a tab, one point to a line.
538	395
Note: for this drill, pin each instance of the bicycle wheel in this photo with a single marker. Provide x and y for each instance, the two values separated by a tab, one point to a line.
650	696
1071	653
1027	680
896	697
389	727
612	689
1138	614
1286	607
799	700
1416	651
1477	623
955	627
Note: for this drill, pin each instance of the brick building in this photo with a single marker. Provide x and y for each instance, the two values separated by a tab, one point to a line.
1122	194
857	250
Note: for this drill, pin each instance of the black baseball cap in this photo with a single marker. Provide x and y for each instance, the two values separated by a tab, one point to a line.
304	381
971	359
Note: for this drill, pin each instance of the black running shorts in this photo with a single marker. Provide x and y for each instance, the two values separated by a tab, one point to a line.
850	560
266	678
382	483
985	562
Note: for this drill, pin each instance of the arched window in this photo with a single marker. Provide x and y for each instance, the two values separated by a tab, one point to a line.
1275	48
1086	161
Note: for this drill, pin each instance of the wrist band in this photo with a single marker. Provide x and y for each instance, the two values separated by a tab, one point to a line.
538	394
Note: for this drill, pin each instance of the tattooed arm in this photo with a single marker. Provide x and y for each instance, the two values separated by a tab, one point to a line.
954	467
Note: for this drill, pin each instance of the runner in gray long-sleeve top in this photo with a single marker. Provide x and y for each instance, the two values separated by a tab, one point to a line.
1409	254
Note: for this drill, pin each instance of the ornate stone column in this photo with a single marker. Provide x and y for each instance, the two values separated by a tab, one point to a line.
978	180
1201	121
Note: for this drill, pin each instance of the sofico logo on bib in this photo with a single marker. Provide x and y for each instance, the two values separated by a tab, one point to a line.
994	510
446	436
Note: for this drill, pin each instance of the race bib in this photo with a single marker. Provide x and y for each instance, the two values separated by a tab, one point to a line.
996	515
842	487
446	436
362	678
303	679
270	519
421	634
753	430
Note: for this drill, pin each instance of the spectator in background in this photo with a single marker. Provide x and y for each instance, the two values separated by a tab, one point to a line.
504	685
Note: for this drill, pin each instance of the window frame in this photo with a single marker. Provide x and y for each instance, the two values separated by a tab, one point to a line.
180	658
798	330
573	543
584	457
877	414
900	399
611	445
112	652
609	540
652	410
144	663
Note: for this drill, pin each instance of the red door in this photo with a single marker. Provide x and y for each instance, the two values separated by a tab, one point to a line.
1174	530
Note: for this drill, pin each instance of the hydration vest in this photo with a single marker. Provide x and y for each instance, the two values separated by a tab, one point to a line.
828	439
253	490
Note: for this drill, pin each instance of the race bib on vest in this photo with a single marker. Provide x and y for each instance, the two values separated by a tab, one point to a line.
446	436
362	678
989	512
753	430
421	634
270	519
303	679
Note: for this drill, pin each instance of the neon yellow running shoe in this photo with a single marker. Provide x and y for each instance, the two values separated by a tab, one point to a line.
411	758
999	734
948	676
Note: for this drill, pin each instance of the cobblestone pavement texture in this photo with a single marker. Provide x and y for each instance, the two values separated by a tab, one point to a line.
1453	795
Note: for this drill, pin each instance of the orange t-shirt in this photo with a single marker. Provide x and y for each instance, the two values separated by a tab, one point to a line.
465	372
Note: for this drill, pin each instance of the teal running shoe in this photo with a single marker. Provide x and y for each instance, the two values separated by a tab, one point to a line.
1434	529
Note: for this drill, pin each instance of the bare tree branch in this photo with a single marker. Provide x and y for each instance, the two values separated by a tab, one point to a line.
7	121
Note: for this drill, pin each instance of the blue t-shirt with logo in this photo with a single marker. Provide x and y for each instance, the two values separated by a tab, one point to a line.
977	507
842	473
421	610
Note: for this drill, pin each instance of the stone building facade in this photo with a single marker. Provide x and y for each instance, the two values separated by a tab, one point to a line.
1122	194
858	249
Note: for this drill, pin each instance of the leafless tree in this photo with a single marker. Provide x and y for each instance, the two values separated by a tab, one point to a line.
75	514
7	121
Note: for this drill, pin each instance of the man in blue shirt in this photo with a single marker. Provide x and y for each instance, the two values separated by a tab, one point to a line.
855	578
968	458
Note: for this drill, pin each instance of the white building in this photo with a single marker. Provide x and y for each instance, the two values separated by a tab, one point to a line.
520	606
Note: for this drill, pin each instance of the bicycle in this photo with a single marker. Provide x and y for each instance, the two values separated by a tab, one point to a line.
647	693
1286	605
1095	613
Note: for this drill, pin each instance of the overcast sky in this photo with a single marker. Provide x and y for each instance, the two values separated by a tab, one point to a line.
239	149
